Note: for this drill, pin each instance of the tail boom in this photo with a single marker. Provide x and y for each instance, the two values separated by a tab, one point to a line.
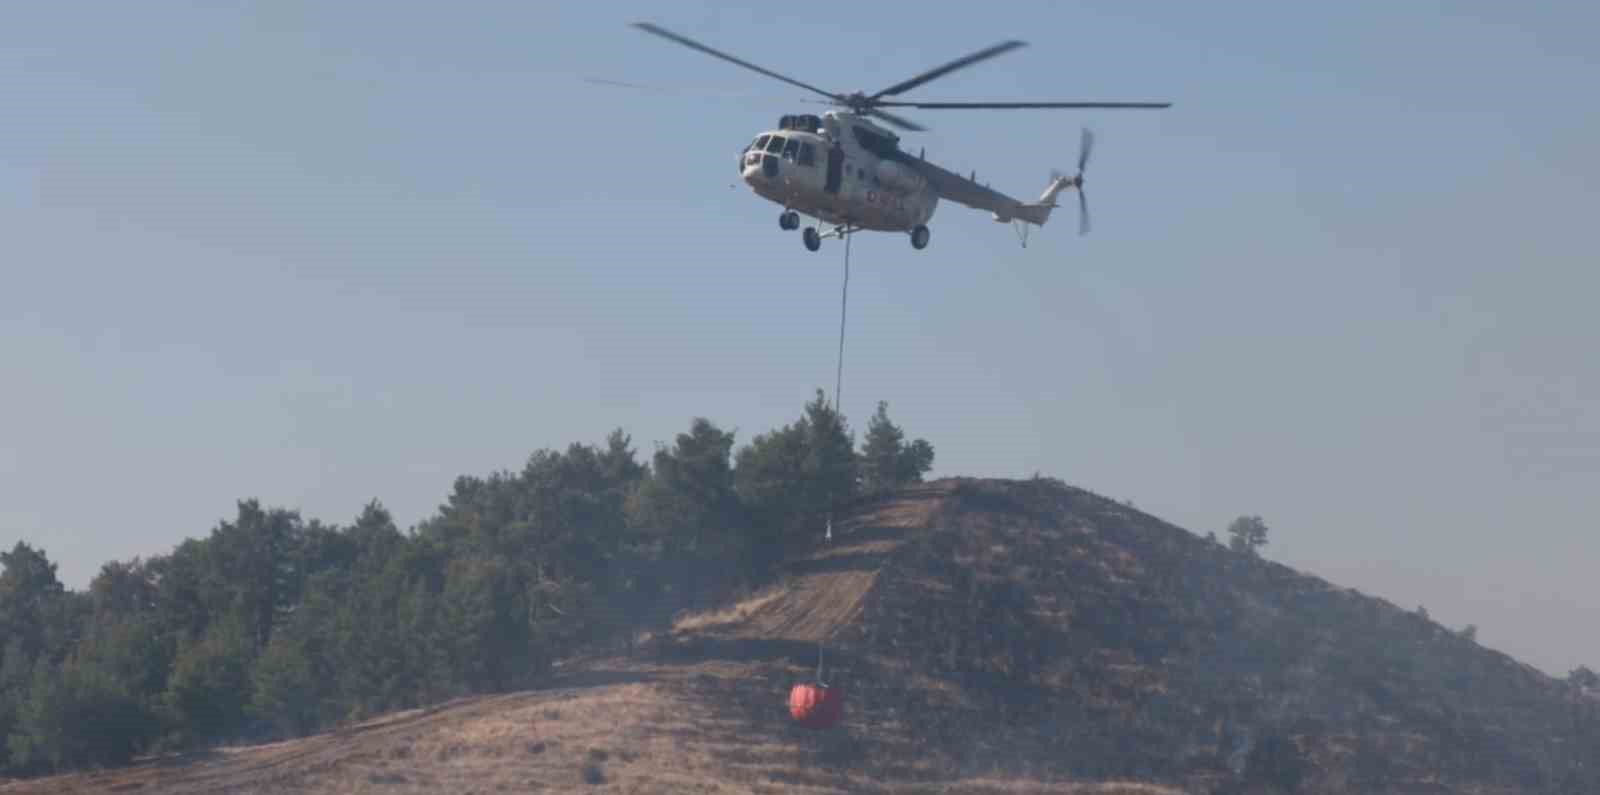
1038	213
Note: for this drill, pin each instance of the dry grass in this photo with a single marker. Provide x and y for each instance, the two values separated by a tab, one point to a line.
642	737
708	714
816	607
700	726
733	614
672	729
1009	786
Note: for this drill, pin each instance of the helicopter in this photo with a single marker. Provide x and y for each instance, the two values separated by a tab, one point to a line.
851	174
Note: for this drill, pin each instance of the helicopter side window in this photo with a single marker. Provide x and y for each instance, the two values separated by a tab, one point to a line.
791	149
775	145
808	154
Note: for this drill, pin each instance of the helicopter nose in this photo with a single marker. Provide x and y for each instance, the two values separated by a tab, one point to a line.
764	169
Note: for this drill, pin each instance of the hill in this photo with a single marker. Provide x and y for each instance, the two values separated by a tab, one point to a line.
991	636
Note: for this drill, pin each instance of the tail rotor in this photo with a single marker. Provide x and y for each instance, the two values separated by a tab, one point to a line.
1085	146
1039	212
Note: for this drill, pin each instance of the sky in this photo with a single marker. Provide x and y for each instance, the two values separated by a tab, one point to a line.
317	254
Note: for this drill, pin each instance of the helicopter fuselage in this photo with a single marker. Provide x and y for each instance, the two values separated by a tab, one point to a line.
839	169
847	171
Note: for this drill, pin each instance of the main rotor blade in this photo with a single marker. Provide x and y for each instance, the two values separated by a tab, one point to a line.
1016	105
704	93
692	44
959	63
898	121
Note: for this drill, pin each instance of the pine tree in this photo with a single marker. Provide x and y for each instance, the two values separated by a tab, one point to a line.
887	461
1248	534
1583	677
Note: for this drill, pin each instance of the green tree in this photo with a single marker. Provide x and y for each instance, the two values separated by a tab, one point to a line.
295	623
887	460
620	470
373	651
393	649
30	598
1584	678
250	568
687	518
568	512
688	503
210	683
790	478
37	627
15	672
78	715
485	626
132	650
831	468
187	595
1247	534
295	681
286	686
376	540
124	589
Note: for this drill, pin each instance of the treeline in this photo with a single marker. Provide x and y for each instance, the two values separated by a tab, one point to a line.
274	625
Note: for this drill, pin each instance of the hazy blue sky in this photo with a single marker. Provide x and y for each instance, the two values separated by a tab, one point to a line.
319	253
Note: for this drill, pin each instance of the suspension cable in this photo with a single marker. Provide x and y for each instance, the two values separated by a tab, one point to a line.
838	377
838	387
844	299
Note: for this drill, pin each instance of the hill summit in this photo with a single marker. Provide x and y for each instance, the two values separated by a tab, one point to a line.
990	636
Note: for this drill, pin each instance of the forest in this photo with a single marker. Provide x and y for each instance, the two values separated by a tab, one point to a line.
274	625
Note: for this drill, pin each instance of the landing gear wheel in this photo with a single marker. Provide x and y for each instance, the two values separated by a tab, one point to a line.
812	238
919	237
789	220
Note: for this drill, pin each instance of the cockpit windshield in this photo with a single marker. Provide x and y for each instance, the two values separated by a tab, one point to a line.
775	145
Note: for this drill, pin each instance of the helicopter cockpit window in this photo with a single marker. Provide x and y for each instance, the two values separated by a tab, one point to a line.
808	154
760	144
775	145
791	149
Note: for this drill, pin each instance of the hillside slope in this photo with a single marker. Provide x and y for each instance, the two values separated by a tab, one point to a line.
1004	636
1098	641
